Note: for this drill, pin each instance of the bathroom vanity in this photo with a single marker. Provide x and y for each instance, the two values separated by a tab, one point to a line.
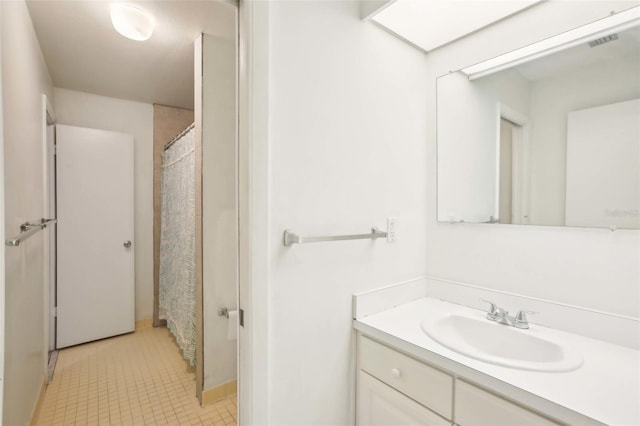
399	389
404	376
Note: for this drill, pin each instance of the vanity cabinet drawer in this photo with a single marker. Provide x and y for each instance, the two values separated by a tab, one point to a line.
476	407
423	383
381	405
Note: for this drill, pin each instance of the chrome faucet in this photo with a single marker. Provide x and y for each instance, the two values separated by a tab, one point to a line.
501	316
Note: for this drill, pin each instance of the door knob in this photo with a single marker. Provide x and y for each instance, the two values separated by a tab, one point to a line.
127	244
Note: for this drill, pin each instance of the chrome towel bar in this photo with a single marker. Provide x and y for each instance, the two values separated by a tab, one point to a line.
27	229
290	238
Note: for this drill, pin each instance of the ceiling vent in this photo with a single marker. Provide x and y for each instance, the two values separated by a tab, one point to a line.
603	40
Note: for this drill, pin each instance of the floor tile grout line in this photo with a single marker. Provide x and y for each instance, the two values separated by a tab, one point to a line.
91	379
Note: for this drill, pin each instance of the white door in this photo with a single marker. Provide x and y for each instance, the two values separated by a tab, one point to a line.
94	179
603	166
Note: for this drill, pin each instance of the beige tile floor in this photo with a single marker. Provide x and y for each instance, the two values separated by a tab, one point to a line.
134	379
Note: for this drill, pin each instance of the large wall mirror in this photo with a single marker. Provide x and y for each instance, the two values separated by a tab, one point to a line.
548	134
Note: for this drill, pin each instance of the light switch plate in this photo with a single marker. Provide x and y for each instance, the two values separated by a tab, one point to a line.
391	229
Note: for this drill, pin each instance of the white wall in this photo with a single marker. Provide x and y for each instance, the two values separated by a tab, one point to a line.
219	206
135	118
347	107
508	87
24	79
591	268
468	122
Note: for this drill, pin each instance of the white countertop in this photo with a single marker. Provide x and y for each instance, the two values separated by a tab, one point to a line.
606	388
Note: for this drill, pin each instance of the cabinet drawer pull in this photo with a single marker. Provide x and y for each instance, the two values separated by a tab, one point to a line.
396	373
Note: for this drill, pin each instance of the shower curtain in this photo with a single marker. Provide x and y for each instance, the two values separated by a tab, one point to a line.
177	302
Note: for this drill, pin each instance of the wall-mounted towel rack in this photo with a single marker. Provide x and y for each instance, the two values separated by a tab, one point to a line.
27	229
290	238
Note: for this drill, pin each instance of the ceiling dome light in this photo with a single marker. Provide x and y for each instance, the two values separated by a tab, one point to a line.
132	22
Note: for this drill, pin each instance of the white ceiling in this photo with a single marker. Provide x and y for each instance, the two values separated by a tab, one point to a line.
84	52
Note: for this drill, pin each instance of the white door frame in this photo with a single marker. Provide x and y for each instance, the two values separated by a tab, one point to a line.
521	160
48	208
2	222
253	177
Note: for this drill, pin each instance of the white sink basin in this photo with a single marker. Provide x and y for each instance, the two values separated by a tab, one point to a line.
485	340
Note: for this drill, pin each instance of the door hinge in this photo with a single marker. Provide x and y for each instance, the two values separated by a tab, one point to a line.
55	311
241	318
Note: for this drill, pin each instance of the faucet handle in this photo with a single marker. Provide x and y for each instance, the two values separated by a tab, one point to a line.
522	314
521	318
493	308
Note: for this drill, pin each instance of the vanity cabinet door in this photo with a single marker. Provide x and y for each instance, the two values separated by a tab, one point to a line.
381	405
477	407
421	382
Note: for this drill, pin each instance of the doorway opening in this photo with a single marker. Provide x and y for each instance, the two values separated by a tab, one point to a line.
217	233
513	181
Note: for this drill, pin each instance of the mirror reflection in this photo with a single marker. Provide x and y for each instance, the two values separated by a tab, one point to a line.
553	141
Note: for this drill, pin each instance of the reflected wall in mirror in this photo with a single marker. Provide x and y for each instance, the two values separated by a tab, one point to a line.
549	141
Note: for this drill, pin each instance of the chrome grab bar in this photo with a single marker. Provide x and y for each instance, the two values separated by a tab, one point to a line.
290	238
27	229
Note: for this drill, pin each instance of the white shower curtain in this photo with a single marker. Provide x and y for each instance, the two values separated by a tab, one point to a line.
177	302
